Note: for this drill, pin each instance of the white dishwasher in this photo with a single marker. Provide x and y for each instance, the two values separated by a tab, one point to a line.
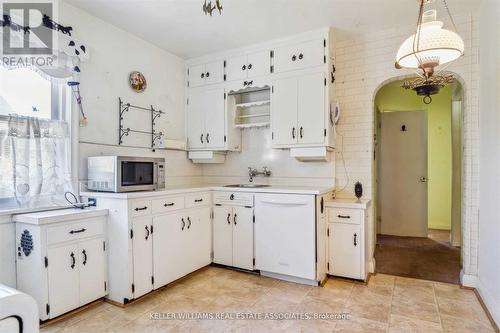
285	241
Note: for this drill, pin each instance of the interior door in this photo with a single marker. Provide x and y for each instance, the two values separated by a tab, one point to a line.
142	243
311	108
196	118
199	238
223	235
92	268
284	111
345	250
168	248
236	68
196	76
403	173
215	123
214	72
63	279
259	64
243	237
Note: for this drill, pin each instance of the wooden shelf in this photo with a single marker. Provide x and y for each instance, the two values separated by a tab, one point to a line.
250	125
254	115
250	104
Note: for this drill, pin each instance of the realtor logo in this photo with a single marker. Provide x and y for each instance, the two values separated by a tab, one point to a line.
23	32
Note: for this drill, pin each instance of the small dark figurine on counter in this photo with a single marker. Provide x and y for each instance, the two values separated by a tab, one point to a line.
358	190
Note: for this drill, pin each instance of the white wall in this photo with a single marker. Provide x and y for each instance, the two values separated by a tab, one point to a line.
257	153
489	106
7	251
115	53
366	62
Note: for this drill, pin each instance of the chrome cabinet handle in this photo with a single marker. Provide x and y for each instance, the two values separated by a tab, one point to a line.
73	261
147	232
228	217
84	257
355	239
234	218
183	223
189	220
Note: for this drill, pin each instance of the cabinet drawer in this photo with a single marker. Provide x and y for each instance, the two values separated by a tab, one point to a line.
167	204
197	199
75	230
299	56
344	215
233	198
140	207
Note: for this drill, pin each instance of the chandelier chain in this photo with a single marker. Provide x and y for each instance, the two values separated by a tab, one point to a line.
449	14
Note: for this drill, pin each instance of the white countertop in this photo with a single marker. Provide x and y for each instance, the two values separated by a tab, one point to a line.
60	215
348	203
283	189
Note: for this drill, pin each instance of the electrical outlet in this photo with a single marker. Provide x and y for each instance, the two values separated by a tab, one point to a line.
92	202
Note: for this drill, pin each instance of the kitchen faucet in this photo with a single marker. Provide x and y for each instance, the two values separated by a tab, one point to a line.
254	172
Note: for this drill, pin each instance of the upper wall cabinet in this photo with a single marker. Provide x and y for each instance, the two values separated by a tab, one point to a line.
204	74
248	66
299	55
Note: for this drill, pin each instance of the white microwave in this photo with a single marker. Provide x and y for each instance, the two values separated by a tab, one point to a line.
125	174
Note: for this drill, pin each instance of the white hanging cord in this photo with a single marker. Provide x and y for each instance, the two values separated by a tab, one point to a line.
348	180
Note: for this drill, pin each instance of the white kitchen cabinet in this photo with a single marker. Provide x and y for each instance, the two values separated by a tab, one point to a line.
205	74
62	258
296	56
142	246
348	233
233	230
298	110
198	238
254	64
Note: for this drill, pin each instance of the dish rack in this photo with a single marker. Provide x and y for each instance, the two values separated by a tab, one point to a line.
252	107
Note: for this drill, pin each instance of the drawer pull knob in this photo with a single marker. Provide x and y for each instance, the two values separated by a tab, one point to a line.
343	216
244	67
301	56
84	257
198	200
355	239
294	57
231	197
73	260
189	222
142	208
77	231
169	204
249	66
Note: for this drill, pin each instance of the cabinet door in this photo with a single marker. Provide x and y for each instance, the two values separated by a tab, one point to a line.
236	68
92	267
63	279
196	76
299	56
196	118
198	244
345	250
259	64
243	238
284	111
142	246
214	72
311	108
283	58
223	235
215	118
168	248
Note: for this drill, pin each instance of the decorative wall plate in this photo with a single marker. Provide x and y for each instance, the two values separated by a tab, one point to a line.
137	81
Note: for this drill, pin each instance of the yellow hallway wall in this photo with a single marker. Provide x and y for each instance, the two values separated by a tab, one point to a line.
394	98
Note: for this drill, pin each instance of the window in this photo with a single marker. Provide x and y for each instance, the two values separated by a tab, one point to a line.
34	146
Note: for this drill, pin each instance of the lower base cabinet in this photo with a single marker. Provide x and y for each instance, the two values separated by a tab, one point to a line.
62	262
142	244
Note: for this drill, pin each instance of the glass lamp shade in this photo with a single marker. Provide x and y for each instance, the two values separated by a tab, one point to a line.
436	45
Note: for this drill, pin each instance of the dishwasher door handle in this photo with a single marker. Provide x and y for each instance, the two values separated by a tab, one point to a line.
285	203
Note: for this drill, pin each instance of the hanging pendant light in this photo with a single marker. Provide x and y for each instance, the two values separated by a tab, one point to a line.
209	8
430	47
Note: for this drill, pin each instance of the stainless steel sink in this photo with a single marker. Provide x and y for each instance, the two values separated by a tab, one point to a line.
247	185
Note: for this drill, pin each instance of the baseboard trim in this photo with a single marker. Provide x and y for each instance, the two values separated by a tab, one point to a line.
489	304
467	280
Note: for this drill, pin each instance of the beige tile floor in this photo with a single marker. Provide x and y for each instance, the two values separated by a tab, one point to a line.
386	304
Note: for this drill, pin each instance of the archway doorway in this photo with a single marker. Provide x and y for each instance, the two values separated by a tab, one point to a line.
418	154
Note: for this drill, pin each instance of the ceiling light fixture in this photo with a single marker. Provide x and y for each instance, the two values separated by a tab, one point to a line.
208	7
430	47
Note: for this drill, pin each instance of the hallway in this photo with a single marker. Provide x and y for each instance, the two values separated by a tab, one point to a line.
430	258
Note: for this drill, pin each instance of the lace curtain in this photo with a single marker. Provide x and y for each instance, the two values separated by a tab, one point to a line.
35	161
